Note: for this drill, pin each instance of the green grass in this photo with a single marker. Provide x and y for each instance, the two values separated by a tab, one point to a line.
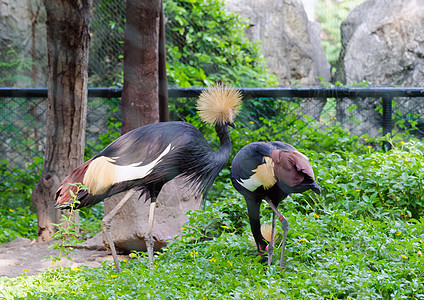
363	238
330	254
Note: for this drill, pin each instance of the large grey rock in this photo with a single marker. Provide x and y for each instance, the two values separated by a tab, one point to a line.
130	224
290	42
382	43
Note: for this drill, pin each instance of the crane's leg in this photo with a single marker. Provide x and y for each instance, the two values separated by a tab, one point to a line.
284	225
106	227
270	248
149	236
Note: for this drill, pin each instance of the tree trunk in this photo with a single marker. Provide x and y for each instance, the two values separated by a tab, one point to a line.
68	25
163	78
141	43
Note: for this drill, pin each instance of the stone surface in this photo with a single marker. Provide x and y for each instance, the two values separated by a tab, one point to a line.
130	223
290	42
383	43
23	256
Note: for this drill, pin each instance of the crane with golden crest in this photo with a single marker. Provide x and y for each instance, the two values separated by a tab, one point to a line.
270	171
144	159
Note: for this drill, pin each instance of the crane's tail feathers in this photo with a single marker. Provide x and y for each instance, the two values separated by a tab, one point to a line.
144	191
194	184
63	194
219	104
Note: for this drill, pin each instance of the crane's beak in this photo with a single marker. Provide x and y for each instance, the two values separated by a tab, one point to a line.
232	125
316	188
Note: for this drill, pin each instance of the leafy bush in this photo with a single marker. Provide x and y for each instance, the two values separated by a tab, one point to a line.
206	43
113	128
18	222
15	69
18	214
376	183
16	185
330	14
361	239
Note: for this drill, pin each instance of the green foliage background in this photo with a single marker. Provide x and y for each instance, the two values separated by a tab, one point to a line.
330	14
206	43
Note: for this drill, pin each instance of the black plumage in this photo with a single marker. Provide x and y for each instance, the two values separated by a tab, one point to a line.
145	158
270	171
189	155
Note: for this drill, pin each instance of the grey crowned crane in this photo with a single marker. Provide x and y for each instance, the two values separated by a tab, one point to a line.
270	171
145	158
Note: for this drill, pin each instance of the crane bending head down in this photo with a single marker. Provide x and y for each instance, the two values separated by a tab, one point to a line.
145	158
270	171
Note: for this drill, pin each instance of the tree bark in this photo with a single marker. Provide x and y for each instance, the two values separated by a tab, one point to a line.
141	60
68	26
163	79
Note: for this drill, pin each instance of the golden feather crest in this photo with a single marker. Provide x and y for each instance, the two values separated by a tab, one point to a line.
219	104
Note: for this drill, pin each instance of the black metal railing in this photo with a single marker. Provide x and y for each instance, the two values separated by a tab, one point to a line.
372	110
273	92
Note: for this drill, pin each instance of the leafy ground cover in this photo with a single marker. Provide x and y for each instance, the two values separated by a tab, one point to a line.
363	238
331	254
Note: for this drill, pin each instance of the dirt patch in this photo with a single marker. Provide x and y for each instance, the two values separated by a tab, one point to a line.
24	254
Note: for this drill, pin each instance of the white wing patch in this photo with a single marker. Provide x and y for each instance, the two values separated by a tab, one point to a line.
133	171
251	183
102	173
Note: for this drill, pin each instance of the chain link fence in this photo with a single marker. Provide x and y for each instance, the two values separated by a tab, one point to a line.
106	43
23	120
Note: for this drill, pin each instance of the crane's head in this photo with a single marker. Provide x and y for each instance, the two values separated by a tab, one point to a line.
219	104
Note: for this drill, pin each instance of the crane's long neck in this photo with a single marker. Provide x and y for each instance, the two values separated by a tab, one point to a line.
224	138
214	161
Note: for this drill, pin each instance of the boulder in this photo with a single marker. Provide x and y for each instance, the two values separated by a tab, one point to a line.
290	42
129	225
382	43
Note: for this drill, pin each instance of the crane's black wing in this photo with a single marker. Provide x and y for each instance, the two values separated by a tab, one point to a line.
143	145
246	161
149	155
281	146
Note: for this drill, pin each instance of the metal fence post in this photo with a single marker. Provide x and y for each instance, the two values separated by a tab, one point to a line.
387	119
